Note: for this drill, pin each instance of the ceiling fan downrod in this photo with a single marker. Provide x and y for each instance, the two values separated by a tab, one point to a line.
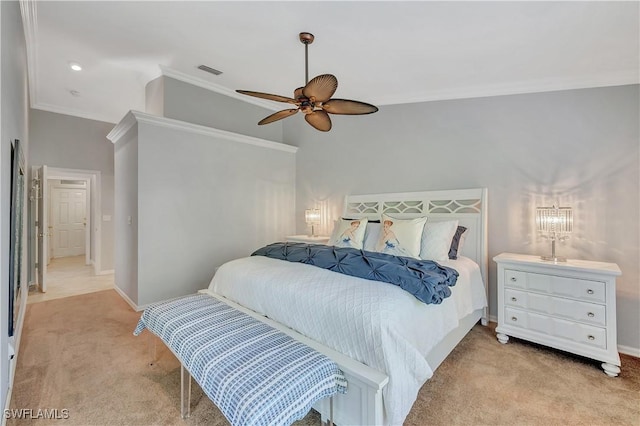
306	39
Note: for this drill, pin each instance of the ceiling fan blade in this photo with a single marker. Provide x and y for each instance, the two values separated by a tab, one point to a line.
277	116
320	120
269	96
348	107
321	88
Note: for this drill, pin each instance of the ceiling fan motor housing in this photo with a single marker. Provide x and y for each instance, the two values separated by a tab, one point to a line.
306	38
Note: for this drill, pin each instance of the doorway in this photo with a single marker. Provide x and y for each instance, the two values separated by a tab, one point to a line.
65	211
68	212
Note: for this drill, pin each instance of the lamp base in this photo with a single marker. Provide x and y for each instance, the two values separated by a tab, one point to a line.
554	258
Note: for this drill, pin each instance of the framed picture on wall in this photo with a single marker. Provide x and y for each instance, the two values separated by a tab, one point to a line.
16	240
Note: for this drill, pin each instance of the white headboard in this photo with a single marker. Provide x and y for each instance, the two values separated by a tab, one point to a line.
468	206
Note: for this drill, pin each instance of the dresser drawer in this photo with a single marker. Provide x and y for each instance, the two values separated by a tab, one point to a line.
593	291
590	313
547	325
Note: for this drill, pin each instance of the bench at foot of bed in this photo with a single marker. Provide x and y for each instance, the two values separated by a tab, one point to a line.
254	373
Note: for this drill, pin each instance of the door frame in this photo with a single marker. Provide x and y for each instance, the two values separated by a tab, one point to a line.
93	177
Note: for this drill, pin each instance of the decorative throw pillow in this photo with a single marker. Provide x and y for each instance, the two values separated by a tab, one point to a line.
371	235
436	239
456	242
348	233
400	237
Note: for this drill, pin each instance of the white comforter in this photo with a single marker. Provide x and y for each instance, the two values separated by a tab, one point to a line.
376	323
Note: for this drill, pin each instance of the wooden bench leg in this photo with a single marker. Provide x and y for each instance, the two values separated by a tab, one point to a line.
185	400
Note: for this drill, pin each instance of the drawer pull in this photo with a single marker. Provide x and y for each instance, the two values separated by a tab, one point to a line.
514	279
514	319
590	337
591	315
589	291
513	299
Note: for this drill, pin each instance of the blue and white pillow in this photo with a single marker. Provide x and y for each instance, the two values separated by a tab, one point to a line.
348	233
400	237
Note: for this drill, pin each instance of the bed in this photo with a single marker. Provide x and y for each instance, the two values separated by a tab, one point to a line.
386	342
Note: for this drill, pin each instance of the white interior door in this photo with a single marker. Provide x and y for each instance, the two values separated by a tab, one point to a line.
69	217
42	229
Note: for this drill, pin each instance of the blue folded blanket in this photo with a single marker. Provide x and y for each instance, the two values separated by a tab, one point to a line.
428	281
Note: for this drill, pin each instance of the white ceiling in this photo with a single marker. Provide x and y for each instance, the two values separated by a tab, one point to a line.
382	52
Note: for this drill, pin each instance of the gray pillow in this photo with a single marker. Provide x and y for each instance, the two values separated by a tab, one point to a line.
455	242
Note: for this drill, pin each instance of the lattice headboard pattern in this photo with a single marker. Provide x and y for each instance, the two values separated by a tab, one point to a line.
468	206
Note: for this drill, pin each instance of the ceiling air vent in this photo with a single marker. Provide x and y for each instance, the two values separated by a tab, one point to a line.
209	70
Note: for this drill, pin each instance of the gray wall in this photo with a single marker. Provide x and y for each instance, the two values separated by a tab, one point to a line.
64	141
183	101
13	125
196	201
579	148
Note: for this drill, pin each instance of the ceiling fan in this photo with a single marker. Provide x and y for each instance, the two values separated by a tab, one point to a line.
314	99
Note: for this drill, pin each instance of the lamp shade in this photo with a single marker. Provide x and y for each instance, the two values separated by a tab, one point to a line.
312	216
554	220
556	223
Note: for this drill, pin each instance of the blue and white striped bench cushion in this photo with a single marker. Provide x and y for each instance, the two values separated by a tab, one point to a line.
255	374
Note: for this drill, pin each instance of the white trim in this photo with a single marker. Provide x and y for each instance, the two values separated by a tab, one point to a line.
205	84
121	129
29	13
126	299
628	350
620	78
70	111
132	116
106	272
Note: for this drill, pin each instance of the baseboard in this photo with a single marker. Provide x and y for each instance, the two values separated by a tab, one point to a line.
17	338
628	350
106	272
127	299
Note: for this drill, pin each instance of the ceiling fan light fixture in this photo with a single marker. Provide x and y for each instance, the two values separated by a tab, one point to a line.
75	66
314	99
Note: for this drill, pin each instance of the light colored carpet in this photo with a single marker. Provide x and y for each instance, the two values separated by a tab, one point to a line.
79	353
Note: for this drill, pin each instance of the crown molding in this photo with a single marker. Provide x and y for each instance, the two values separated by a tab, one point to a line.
200	82
121	129
621	78
28	9
71	111
134	117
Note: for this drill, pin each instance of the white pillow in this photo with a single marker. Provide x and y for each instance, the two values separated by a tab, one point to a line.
436	240
400	237
348	233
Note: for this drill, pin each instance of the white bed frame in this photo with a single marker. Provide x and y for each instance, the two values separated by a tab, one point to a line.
362	404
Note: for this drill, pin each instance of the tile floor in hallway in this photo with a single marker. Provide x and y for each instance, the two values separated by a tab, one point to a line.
69	276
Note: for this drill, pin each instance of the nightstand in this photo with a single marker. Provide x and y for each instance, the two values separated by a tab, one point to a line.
569	305
318	239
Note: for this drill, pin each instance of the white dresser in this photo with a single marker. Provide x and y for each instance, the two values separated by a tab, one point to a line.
566	305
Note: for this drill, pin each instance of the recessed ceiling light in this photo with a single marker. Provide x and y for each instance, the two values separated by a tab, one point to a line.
75	66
